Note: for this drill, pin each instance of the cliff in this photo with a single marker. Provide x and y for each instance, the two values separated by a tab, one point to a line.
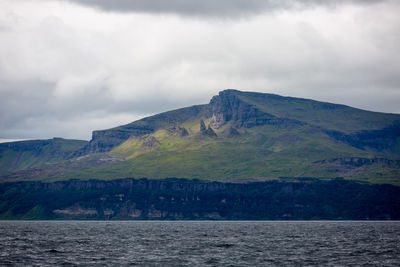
175	199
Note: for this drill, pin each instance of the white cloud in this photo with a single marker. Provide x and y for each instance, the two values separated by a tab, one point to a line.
66	69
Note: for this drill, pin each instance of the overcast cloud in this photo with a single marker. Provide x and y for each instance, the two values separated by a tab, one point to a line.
217	8
69	67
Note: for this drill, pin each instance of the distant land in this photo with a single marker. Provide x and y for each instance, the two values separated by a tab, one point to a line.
243	156
237	136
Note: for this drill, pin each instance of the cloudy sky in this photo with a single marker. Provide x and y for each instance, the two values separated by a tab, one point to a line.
70	66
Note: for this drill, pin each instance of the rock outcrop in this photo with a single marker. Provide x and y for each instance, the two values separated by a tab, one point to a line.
228	106
230	132
202	126
206	131
105	140
149	143
181	131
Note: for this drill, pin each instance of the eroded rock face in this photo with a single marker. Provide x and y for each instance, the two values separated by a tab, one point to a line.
228	106
105	140
217	120
230	132
202	126
231	105
206	131
181	131
224	107
149	143
184	199
76	210
210	132
129	209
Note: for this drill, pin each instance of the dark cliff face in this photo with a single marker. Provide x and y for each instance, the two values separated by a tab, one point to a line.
386	138
105	140
228	106
206	131
184	199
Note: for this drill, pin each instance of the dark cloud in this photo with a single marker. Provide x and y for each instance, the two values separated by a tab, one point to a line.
212	8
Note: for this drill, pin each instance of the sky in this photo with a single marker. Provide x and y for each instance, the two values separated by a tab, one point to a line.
68	67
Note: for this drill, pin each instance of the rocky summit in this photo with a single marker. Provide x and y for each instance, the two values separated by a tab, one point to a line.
237	136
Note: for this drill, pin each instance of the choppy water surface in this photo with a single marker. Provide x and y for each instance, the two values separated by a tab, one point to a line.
198	243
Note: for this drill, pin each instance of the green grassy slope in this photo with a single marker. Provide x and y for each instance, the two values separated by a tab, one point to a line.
22	155
274	136
105	140
326	115
258	152
169	118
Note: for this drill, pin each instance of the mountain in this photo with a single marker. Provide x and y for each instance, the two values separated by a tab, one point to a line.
238	136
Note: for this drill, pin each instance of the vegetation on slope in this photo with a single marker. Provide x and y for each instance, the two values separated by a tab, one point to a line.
326	115
239	135
257	152
21	155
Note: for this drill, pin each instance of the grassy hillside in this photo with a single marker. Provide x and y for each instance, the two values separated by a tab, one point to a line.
326	115
239	135
105	140
258	152
21	155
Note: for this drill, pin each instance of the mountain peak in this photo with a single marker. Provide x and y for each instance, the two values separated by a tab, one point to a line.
229	91
229	106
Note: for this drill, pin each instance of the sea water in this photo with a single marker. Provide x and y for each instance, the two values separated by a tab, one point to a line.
199	243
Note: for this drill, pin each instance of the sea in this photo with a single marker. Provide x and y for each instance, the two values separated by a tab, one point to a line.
199	243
